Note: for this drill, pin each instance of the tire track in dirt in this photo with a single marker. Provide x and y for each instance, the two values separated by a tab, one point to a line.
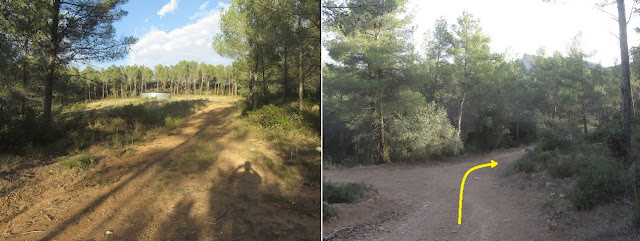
426	201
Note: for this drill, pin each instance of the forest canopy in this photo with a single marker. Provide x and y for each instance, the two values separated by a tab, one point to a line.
386	101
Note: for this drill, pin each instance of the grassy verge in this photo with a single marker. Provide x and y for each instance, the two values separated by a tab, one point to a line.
598	176
113	124
80	161
292	133
341	193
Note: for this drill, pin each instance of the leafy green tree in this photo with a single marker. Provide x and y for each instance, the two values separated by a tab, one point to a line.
438	66
474	63
78	31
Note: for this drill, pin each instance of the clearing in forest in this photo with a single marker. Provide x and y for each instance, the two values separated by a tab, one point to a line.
210	180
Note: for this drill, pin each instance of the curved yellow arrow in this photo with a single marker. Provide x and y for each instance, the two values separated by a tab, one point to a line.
492	164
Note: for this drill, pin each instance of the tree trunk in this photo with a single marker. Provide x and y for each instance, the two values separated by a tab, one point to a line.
252	84
264	83
201	85
285	75
51	65
384	151
464	95
301	80
626	76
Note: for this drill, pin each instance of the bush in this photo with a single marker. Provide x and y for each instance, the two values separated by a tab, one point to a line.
635	170
344	192
328	211
171	122
80	161
526	163
427	133
556	134
272	116
532	158
598	179
563	167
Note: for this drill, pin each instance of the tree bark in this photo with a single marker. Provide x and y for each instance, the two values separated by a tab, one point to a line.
464	95
626	76
300	78
285	75
51	66
201	85
252	79
384	143
264	83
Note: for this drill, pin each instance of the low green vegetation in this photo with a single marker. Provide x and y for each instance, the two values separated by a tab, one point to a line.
76	129
598	181
328	211
81	161
344	192
601	170
293	132
341	193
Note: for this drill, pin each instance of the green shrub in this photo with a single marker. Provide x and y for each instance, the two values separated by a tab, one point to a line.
272	116
344	192
532	158
424	134
172	123
80	161
598	179
636	183
562	167
556	134
525	164
328	211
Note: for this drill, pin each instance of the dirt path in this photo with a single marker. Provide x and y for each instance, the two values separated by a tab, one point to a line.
206	182
421	203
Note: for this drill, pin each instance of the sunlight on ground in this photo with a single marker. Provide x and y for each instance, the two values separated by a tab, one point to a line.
118	102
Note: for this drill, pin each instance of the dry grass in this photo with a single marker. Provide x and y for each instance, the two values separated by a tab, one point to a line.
119	102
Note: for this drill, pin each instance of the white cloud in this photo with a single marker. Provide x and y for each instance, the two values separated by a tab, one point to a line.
204	5
201	14
190	42
524	26
146	20
204	12
169	7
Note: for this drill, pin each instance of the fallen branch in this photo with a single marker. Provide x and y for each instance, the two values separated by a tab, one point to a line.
33	231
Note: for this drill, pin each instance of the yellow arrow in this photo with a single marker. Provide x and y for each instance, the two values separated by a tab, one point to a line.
492	165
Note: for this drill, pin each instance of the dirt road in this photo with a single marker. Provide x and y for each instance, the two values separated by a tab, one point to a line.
421	203
207	181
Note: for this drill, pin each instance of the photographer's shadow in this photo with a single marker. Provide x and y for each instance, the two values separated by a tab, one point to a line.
236	204
245	183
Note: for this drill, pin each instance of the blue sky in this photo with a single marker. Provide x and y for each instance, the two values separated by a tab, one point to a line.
169	31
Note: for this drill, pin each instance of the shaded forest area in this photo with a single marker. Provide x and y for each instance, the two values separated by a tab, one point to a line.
277	44
386	101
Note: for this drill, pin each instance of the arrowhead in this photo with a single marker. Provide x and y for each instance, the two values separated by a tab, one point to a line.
493	163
